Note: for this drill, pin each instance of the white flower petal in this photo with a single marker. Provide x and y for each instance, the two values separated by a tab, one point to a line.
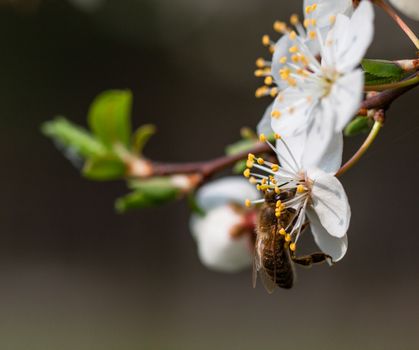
234	189
351	39
320	132
408	7
264	126
217	250
293	106
333	246
330	159
282	47
330	202
346	97
327	9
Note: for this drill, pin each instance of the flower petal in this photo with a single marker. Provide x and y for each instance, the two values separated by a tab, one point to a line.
234	189
264	126
217	249
282	47
346	97
327	9
351	39
330	202
335	247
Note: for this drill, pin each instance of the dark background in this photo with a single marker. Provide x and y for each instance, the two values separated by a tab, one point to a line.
75	275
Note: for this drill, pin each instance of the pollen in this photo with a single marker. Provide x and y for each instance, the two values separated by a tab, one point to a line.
260	63
294	19
275	167
251	157
260	161
248	203
300	189
250	164
312	8
277	190
274	92
269	80
246	173
262	138
295	58
275	114
283	60
262	91
277	136
293	49
266	40
293	35
278	204
287	238
312	35
278	213
280	27
293	247
259	73
306	22
282	232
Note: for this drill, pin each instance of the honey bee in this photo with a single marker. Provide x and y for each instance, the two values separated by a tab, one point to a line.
274	254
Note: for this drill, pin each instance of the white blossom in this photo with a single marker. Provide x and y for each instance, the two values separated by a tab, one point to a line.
319	98
224	233
408	7
319	196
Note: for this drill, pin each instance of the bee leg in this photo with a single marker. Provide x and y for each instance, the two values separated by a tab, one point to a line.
308	260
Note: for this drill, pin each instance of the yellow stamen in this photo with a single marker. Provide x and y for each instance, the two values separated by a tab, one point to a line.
277	190
246	173
283	60
262	138
275	167
293	49
251	157
294	19
253	181
312	35
266	40
306	22
277	136
260	63
287	238
300	189
275	114
280	27
248	203
268	81
282	232
260	161
293	247
293	35
262	91
274	92
250	164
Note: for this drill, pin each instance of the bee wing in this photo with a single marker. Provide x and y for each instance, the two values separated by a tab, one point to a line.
267	281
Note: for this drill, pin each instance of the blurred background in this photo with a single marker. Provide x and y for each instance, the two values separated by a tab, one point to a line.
75	275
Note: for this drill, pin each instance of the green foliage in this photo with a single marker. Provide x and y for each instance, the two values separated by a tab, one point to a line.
73	137
240	146
148	193
104	168
240	166
381	72
360	124
109	117
141	137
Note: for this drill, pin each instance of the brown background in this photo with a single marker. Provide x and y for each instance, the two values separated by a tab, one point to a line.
75	275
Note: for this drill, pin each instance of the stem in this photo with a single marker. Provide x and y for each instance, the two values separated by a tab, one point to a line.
397	85
390	11
365	146
206	168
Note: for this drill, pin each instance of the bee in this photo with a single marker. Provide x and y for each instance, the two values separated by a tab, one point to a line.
274	254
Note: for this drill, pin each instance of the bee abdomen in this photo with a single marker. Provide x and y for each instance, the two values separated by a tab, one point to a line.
278	266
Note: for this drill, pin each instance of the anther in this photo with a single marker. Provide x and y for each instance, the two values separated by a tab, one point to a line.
275	167
266	40
275	114
262	138
287	238
277	190
277	136
293	49
312	35
246	173
294	19
282	232
293	247
274	92
260	161
280	27
253	181
293	35
260	63
268	80
248	203
300	189
283	60
251	157
250	164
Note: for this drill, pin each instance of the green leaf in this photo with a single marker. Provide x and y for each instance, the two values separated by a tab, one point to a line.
148	193
240	166
382	68
110	117
141	137
193	205
359	125
240	146
104	168
371	79
73	137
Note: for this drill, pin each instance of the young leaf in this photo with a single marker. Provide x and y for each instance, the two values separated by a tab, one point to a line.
240	166
382	68
73	137
239	146
104	168
148	193
110	117
141	137
359	125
